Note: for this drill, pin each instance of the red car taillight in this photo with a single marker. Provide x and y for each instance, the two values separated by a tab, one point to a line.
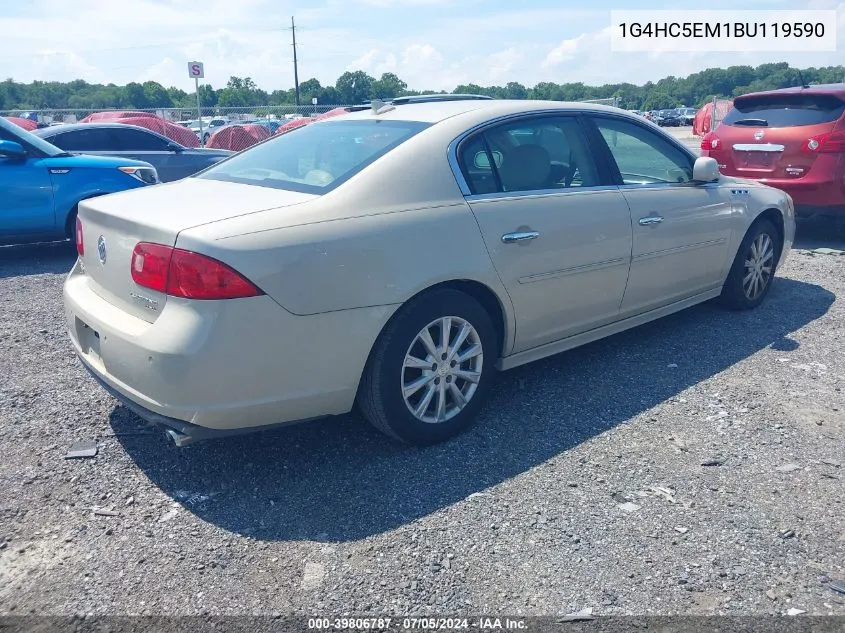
186	274
710	142
80	244
829	143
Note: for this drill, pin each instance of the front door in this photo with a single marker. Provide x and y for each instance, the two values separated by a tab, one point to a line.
559	238
681	229
26	206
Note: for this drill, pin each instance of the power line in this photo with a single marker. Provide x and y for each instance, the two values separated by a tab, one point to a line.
295	66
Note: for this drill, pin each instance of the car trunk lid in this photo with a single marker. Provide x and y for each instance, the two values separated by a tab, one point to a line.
113	225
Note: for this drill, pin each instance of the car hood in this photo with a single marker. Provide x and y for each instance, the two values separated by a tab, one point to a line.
71	161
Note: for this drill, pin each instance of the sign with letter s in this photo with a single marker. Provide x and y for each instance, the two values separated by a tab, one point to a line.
196	70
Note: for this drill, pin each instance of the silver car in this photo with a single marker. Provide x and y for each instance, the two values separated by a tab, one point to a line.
396	258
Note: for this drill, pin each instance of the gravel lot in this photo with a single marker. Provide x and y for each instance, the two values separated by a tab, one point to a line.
583	486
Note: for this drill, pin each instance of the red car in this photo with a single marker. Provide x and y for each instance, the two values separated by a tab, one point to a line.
792	139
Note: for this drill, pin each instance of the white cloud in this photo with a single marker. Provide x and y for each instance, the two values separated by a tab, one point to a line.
502	64
437	44
56	65
564	51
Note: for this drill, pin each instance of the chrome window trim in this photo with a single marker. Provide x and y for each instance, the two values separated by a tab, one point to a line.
673	185
536	193
455	166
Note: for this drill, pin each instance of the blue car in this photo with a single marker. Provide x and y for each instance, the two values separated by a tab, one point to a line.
41	185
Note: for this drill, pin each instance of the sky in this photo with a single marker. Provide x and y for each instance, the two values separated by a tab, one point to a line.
430	44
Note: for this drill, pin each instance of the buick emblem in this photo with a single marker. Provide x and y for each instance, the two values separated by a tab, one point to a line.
101	249
758	135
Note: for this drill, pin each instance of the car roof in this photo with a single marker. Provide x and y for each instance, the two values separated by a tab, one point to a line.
436	111
820	89
70	127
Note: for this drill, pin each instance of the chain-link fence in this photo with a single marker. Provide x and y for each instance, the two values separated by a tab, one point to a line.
721	107
177	115
208	114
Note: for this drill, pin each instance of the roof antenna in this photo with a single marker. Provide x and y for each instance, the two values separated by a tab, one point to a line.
801	77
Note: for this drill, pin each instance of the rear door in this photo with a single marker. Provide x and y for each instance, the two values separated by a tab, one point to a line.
775	136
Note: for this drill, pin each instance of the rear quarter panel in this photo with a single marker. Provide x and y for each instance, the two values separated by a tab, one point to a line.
376	260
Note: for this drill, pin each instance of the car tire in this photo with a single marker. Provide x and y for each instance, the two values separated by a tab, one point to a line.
755	263
397	359
70	224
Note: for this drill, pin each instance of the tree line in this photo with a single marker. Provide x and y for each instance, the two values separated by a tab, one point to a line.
358	86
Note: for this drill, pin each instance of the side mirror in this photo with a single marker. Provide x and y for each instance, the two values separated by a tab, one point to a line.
173	147
705	169
12	150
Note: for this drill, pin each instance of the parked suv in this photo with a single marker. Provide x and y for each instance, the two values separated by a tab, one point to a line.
43	185
792	139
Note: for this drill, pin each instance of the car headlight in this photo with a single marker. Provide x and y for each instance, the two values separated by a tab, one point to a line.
147	175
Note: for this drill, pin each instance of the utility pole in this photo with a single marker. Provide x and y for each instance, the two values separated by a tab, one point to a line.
295	68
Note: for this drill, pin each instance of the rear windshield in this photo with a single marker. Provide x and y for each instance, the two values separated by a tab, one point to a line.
314	158
785	110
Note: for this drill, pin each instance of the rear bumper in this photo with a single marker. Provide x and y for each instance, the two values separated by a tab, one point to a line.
812	196
223	365
810	211
820	191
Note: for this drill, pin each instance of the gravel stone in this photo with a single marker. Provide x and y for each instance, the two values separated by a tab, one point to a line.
518	516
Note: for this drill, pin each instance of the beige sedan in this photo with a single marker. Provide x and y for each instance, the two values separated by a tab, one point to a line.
397	258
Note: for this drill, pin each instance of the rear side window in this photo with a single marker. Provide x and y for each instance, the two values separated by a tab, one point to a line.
534	154
788	110
317	157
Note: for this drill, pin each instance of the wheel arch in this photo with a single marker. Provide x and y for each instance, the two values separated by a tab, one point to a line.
486	296
775	216
70	217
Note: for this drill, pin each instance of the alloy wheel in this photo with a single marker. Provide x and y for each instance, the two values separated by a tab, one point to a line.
759	266
442	369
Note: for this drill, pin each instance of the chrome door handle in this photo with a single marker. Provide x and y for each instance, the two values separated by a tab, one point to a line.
510	238
651	219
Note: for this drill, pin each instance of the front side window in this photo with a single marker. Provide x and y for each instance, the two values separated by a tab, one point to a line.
11	132
642	156
534	154
315	158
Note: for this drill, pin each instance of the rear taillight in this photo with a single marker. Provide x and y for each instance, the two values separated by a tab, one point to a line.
186	274
829	143
80	244
149	265
710	142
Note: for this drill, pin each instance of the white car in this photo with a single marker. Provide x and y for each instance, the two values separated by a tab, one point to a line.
205	128
397	258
